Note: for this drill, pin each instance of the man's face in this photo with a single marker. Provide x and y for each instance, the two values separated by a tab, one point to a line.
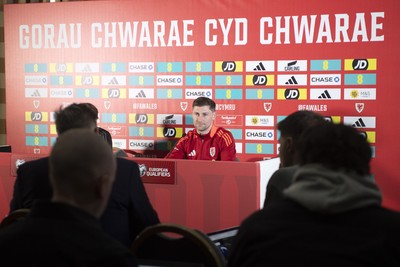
203	118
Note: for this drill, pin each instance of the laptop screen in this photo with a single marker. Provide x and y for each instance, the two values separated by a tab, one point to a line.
223	239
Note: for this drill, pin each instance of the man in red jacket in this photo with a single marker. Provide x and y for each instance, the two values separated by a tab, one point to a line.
206	141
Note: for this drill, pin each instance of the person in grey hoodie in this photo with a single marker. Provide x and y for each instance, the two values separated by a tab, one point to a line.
331	214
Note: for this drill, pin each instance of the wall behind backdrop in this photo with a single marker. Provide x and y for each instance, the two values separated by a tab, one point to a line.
143	62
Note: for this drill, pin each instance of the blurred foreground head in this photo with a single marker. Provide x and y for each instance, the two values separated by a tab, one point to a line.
337	147
82	170
291	128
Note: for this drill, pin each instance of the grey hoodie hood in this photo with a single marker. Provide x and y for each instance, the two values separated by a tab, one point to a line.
327	191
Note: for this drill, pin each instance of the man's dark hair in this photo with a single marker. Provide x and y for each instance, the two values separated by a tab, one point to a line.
335	146
296	123
204	101
81	115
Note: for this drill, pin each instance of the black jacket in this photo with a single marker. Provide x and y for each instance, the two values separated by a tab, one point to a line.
128	211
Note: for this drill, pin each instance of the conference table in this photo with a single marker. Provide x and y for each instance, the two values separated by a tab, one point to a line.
206	195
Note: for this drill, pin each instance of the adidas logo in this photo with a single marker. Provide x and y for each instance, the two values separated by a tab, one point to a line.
87	69
192	154
292	80
325	95
260	66
141	94
359	123
36	93
113	81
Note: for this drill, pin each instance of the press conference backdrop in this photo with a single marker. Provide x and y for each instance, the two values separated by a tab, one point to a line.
143	62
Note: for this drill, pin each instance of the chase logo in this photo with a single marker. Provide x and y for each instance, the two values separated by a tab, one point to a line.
169	132
229	66
36	116
325	79
146	67
169	119
292	94
61	93
135	144
36	80
169	80
195	93
260	135
259	80
113	93
360	64
360	94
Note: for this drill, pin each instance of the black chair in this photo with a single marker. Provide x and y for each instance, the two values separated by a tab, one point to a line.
176	245
14	216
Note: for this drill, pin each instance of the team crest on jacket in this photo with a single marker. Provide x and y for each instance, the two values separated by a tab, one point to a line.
212	151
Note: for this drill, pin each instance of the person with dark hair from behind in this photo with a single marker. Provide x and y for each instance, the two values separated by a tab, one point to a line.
206	141
290	129
331	214
129	210
65	231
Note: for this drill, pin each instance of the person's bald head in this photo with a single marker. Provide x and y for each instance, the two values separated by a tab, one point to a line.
82	169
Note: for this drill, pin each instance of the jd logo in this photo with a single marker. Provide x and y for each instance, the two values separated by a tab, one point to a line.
141	118
228	66
360	64
292	94
169	132
36	116
113	93
259	80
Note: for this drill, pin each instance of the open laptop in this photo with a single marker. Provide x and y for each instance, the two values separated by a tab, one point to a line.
223	239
